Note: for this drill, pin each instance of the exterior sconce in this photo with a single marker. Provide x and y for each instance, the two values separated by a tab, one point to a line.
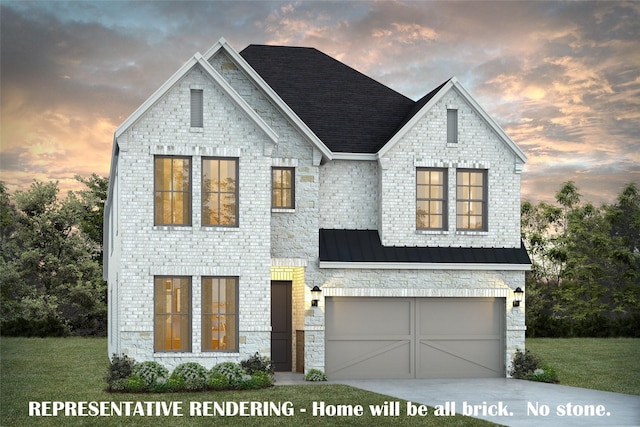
517	295
315	296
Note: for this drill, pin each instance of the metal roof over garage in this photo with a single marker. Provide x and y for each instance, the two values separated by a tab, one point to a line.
352	248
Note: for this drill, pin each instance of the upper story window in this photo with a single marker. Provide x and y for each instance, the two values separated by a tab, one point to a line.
452	126
471	200
283	188
220	314
172	190
197	114
431	199
220	192
172	314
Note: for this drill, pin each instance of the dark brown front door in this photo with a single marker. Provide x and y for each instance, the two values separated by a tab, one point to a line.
281	325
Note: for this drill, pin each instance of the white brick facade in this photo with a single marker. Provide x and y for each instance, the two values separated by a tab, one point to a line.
376	193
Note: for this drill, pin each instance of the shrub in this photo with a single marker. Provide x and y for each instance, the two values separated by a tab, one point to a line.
153	373
120	368
526	366
173	384
257	363
217	381
545	374
194	375
523	364
135	384
315	375
232	371
262	379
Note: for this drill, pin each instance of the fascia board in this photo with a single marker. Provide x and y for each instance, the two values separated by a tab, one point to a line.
415	119
423	266
182	71
107	208
237	99
215	48
293	118
355	156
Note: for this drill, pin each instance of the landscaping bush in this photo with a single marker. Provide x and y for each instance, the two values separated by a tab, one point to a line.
120	368
261	379
217	381
315	375
545	374
232	371
257	363
523	364
125	375
154	374
195	376
526	366
135	384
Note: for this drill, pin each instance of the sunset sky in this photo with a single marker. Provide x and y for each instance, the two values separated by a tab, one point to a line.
562	78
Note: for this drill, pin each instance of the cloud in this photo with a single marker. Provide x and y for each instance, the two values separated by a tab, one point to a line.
560	77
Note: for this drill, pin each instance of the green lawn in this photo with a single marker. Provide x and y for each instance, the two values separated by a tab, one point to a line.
71	369
609	364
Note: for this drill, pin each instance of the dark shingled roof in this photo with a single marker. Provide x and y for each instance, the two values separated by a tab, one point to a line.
365	246
348	111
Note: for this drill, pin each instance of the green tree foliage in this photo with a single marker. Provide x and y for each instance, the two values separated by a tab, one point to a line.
585	278
50	269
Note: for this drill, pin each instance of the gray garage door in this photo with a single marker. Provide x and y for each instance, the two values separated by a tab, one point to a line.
414	337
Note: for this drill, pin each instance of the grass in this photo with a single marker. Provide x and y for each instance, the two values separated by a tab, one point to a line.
608	364
72	369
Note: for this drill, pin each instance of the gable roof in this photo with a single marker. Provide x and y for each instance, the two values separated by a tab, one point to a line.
349	111
428	101
364	249
197	60
223	46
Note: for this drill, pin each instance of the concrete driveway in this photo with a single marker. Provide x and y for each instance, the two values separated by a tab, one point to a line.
513	402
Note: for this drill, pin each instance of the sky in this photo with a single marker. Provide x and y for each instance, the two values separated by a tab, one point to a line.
561	78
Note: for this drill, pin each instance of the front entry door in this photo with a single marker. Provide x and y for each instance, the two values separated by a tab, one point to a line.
281	325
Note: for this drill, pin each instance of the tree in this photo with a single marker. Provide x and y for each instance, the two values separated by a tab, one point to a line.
50	270
584	278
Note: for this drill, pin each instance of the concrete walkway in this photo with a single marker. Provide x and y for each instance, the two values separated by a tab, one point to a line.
505	401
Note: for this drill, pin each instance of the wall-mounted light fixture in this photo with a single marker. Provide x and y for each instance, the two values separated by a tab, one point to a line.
517	296
315	295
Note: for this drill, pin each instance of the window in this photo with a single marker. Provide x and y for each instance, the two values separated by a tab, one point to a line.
172	188
471	212
172	314
196	108
452	126
219	314
283	188
220	192
431	199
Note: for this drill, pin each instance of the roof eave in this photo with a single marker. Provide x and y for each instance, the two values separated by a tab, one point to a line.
424	266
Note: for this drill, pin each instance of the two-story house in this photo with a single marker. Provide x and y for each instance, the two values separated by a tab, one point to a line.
251	178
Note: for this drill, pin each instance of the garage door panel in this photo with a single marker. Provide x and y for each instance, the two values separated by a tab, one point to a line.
362	316
358	359
459	359
378	337
464	316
